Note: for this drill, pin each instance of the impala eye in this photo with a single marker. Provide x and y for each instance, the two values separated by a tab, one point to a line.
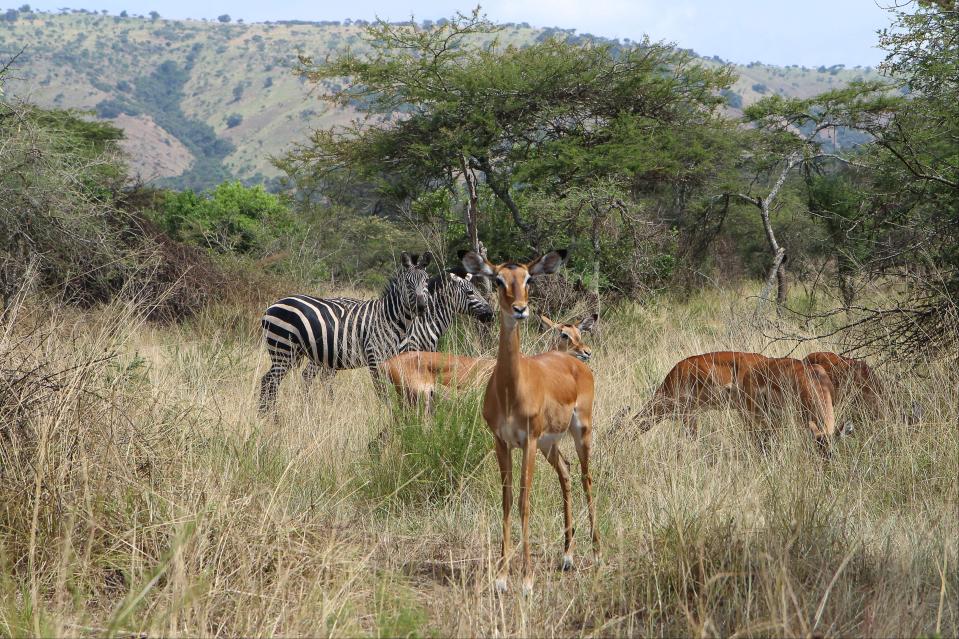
564	335
500	282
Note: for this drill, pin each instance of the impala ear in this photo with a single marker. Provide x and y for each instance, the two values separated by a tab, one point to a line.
547	323
424	260
546	264
588	323
475	264
407	260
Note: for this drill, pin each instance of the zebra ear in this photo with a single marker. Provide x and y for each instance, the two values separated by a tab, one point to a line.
468	277
424	260
407	260
455	277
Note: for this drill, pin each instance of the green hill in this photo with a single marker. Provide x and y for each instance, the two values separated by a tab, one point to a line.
203	101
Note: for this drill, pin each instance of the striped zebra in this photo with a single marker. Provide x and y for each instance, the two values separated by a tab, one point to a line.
340	333
451	292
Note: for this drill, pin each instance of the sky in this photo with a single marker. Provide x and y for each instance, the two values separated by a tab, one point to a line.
811	33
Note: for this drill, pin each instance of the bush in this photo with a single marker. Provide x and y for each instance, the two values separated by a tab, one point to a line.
429	459
230	218
68	228
234	120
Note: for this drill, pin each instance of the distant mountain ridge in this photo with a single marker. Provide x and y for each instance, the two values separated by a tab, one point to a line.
203	101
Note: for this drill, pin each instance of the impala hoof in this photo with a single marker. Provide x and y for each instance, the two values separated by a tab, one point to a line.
567	564
500	584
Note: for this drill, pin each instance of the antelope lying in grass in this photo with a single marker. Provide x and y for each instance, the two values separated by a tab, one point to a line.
418	375
530	403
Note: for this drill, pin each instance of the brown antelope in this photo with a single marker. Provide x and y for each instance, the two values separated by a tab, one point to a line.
769	385
530	403
853	380
700	382
417	375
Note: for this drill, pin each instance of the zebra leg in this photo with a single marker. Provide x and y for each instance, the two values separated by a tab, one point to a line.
312	370
281	363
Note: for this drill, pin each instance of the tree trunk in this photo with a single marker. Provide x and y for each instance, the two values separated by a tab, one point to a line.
777	270
501	190
472	204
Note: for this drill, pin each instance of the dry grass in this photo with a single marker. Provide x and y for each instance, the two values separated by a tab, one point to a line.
140	493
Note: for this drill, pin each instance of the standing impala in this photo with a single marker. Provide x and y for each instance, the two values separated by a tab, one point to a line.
418	375
530	403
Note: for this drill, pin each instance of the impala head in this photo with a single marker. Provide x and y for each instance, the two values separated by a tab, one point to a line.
468	300
569	337
413	280
512	279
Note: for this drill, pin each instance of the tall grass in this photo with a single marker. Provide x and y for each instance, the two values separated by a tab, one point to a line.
140	493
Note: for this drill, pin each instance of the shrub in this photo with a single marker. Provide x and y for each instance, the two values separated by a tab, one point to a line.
429	459
230	218
234	120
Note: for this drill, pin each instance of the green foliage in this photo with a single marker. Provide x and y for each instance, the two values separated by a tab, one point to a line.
558	117
230	218
429	459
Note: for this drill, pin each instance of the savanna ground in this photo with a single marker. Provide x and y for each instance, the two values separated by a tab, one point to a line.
141	494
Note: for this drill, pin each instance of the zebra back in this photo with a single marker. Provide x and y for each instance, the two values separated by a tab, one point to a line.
348	333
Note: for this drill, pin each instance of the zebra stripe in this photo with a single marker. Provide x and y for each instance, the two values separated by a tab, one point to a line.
450	293
340	333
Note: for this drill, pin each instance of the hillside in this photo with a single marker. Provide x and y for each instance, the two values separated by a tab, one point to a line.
203	101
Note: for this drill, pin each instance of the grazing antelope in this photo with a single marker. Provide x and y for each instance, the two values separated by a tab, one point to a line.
416	375
530	403
853	380
339	333
699	382
768	386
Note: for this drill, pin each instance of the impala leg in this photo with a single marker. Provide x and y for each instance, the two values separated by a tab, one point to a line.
583	438
558	461
526	482
506	477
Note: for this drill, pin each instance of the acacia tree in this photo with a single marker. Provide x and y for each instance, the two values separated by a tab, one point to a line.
448	105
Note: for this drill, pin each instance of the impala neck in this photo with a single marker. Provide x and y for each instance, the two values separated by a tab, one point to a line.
507	359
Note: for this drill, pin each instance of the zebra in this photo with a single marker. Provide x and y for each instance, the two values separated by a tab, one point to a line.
450	292
340	333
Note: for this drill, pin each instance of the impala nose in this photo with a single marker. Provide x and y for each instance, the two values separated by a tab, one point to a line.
585	355
520	311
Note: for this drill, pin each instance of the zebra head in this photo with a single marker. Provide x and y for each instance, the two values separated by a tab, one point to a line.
413	282
464	297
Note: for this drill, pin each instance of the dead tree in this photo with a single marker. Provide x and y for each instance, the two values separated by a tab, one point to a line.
777	269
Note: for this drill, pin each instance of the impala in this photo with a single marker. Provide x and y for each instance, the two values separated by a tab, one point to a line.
417	375
770	385
699	382
530	403
853	380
